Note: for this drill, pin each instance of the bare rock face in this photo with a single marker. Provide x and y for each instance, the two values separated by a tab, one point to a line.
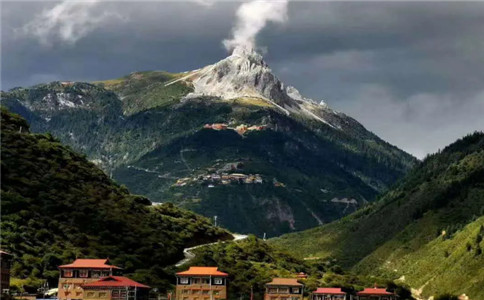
242	74
246	74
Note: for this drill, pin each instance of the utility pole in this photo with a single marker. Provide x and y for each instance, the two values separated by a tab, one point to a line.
215	220
264	238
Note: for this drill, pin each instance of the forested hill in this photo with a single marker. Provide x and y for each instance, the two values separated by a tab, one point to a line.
428	230
57	206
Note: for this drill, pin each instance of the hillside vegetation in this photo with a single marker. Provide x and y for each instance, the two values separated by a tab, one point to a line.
57	206
148	136
251	263
427	230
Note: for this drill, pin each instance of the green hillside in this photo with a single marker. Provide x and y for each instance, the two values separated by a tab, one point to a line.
427	230
57	206
147	136
251	263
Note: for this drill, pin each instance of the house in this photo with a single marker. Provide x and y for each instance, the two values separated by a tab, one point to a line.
82	271
375	294
302	275
201	283
329	294
219	126
284	289
115	288
5	261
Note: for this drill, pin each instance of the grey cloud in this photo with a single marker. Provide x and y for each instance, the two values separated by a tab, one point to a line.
409	71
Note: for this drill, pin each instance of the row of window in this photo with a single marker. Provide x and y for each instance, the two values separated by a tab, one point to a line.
201	280
286	290
329	297
85	273
200	292
285	298
103	294
97	295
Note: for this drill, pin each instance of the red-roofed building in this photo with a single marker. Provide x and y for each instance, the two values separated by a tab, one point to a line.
82	271
284	289
375	294
201	283
329	294
115	288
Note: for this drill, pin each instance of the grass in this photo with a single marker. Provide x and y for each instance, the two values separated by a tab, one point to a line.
401	235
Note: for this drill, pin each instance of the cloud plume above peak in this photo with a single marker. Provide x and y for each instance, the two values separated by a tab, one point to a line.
252	17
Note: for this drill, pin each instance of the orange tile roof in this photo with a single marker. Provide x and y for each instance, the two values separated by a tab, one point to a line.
331	291
373	291
212	271
90	263
284	281
115	281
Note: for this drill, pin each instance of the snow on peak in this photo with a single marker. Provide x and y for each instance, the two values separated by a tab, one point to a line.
245	74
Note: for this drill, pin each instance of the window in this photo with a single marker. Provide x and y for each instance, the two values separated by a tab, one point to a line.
83	273
90	294
216	292
205	280
272	291
205	292
183	280
196	292
295	290
196	280
115	293
68	273
185	291
95	274
102	294
284	290
217	281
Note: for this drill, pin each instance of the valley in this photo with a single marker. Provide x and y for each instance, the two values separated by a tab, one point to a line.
168	136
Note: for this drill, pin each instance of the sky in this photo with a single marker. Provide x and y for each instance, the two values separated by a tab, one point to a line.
411	72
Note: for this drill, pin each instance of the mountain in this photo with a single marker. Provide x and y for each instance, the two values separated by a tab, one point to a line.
57	206
428	230
227	140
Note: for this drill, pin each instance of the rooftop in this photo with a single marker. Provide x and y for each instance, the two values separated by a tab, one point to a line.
90	263
374	291
211	271
332	291
115	281
284	281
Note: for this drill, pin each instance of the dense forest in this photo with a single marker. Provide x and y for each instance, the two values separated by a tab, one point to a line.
148	135
56	206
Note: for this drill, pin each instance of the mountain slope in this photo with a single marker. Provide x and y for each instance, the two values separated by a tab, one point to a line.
427	230
173	137
57	206
251	263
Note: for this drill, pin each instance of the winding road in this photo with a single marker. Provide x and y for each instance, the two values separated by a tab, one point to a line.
187	252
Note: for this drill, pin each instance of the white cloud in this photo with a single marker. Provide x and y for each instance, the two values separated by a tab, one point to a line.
252	17
68	21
